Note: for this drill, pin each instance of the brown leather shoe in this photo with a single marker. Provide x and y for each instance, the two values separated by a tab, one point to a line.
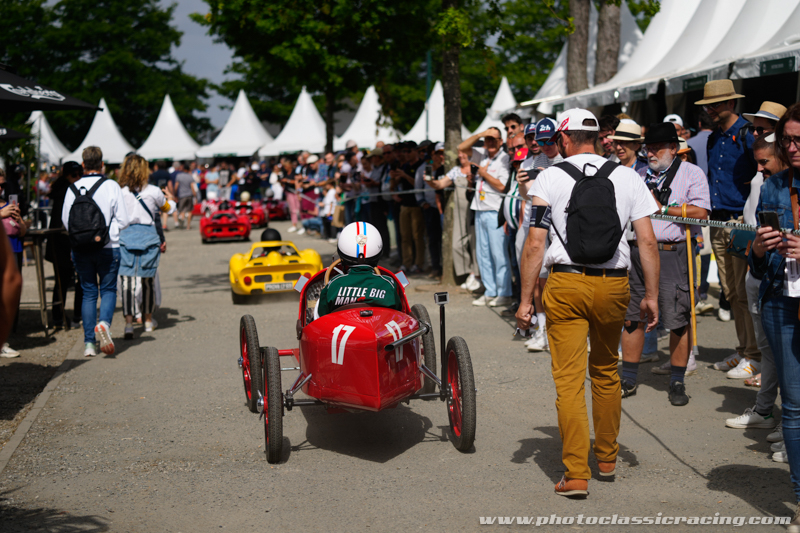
572	487
607	469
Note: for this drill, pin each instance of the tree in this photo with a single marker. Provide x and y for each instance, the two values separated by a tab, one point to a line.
578	45
608	28
116	49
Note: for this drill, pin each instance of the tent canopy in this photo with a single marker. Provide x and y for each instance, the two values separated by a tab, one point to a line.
242	134
503	102
49	146
305	130
169	139
365	129
435	105
104	133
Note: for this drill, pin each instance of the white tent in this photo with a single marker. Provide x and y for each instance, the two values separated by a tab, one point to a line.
168	139
364	129
435	105
555	86
104	133
305	130
503	102
242	134
50	148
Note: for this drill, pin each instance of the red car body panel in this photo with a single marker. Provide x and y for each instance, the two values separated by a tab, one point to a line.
345	354
254	211
225	226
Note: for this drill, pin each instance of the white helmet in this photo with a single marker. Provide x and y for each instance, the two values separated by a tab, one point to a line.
360	243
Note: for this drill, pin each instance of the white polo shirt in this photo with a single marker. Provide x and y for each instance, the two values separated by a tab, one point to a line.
554	186
486	197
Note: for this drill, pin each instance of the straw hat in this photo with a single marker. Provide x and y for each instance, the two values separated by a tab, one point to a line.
768	110
627	132
718	91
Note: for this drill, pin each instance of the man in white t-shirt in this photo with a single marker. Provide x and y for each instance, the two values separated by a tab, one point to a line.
581	299
493	259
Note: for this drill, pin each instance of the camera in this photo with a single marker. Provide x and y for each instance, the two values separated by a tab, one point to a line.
662	195
474	169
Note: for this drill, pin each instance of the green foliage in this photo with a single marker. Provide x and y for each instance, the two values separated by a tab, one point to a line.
643	11
116	49
455	28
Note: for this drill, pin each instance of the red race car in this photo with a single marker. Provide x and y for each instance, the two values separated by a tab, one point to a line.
276	209
256	212
359	357
224	225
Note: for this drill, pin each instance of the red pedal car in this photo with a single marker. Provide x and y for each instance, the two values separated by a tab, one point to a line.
359	357
224	225
256	212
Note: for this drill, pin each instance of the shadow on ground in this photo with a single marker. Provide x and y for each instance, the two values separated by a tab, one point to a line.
767	489
41	519
20	383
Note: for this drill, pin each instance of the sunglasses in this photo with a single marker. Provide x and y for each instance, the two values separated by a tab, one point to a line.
551	142
758	129
714	105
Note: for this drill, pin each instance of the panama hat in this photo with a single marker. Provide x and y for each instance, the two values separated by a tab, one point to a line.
627	132
768	110
718	91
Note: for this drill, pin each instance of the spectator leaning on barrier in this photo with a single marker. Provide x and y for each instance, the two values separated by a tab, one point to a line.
675	183
730	169
773	260
583	299
493	259
99	261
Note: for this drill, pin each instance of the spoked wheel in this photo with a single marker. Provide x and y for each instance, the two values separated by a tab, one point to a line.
460	385
428	346
251	361
273	405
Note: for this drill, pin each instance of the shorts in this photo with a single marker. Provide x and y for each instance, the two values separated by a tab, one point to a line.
674	302
185	205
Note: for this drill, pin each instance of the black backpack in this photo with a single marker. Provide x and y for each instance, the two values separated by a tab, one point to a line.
87	224
593	228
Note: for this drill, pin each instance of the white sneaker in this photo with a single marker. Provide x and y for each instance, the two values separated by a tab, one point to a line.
703	306
778	446
474	285
468	281
103	333
780	457
292	229
7	352
301	231
150	326
751	419
501	301
90	350
724	314
732	361
128	331
777	435
746	368
539	341
482	301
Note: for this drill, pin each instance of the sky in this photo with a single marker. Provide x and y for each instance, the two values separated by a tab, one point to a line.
200	55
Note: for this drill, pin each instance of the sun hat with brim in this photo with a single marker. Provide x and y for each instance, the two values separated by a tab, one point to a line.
662	132
768	110
573	120
313	158
718	91
627	132
376	152
683	146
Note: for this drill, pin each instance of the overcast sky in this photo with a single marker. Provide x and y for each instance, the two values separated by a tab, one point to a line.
202	57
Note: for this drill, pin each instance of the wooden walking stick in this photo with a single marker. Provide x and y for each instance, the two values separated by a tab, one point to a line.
690	256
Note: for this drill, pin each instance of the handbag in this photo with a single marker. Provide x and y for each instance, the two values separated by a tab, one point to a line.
11	227
338	216
740	242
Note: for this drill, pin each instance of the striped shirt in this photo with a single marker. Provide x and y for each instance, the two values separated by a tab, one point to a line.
690	186
540	161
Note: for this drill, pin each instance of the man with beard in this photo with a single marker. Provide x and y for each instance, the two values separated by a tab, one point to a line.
672	183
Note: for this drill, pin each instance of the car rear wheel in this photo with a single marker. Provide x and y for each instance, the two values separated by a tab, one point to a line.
251	361
273	405
428	346
460	384
238	299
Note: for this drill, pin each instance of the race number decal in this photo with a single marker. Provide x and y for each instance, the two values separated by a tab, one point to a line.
337	356
394	330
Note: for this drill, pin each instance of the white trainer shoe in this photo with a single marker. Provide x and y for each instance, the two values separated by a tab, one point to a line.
90	350
728	363
301	231
482	301
292	229
724	314
103	333
501	301
8	352
778	447
746	368
474	285
751	419
150	326
780	457
468	282
777	435
539	341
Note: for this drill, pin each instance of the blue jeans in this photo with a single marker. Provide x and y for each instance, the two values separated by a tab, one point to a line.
313	224
779	318
102	264
493	260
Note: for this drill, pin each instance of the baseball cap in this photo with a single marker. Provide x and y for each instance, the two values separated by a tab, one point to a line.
573	120
254	166
674	118
521	153
439	147
545	129
350	144
530	128
312	159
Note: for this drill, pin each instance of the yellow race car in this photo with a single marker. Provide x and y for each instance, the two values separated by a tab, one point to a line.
270	266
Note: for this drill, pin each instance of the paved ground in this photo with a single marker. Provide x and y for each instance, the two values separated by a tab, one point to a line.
157	437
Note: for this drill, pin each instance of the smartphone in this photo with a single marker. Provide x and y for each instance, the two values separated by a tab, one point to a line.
13	199
769	218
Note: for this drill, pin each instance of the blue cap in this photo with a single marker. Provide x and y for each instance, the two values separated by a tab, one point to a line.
530	128
545	129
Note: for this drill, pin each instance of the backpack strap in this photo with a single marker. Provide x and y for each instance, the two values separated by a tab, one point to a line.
572	170
139	197
673	171
96	186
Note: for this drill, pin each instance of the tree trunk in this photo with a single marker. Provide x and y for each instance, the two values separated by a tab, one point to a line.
578	44
608	30
451	85
330	105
